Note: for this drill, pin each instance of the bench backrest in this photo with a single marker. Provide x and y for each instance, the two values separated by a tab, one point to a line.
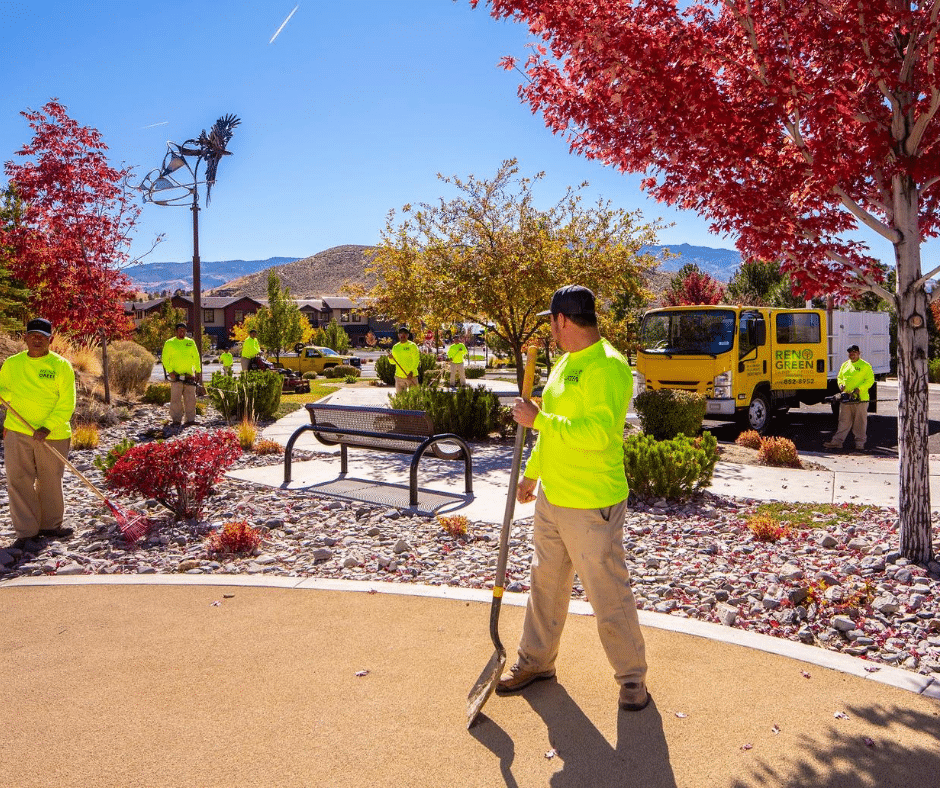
395	430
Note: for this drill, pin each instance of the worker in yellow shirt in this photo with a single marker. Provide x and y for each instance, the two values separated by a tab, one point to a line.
184	368
580	509
407	358
855	379
226	360
250	348
40	387
456	354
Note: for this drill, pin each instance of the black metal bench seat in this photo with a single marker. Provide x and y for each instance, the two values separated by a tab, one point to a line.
399	431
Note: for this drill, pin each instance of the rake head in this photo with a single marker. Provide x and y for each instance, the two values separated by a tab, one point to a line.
133	525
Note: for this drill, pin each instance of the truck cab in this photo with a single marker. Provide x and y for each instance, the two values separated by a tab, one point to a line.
753	362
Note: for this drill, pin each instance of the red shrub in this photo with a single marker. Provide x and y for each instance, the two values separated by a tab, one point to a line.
235	537
177	473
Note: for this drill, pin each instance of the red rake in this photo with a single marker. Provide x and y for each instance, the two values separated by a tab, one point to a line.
133	525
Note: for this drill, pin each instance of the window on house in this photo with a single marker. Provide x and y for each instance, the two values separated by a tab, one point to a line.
343	315
239	315
208	315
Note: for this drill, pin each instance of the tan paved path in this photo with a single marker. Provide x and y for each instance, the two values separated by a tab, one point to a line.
240	687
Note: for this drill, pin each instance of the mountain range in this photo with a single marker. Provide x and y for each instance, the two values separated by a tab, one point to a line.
326	272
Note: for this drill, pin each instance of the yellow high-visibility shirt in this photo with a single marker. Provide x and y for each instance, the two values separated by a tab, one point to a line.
181	356
408	357
578	456
42	391
457	352
251	347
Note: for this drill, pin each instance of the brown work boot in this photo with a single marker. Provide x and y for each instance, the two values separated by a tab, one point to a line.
634	697
517	678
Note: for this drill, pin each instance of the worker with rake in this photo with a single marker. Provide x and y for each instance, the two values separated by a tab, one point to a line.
184	367
40	386
407	359
580	509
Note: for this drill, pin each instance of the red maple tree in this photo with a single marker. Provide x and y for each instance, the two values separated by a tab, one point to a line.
693	286
789	125
70	238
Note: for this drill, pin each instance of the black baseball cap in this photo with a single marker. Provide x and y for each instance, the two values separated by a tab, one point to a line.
403	328
39	325
853	349
181	325
571	300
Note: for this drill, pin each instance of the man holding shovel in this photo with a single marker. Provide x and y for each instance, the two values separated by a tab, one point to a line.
40	386
582	503
407	358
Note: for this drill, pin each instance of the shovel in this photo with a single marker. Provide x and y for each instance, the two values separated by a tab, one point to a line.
490	676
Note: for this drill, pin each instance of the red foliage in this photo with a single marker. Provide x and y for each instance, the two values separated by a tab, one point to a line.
69	238
234	537
695	288
177	473
783	123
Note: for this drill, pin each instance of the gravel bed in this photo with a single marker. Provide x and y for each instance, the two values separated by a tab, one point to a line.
841	586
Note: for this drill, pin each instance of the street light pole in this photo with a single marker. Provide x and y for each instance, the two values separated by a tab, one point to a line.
176	183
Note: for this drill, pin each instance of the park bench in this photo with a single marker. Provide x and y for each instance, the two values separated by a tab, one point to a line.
382	429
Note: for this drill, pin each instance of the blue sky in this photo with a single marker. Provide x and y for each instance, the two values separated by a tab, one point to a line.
351	112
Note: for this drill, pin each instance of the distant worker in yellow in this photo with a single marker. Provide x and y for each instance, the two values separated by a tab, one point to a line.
855	378
456	354
406	357
226	360
250	348
184	368
40	387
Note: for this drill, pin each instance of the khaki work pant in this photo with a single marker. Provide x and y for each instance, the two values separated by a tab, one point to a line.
34	483
589	542
405	383
182	400
458	371
853	416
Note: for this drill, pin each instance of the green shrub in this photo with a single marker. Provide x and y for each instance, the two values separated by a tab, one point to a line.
351	379
157	394
309	375
385	370
427	362
256	394
667	413
474	373
472	412
129	366
933	370
672	469
106	463
342	371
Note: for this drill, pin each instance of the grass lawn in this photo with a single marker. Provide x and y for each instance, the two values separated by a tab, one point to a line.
811	515
292	402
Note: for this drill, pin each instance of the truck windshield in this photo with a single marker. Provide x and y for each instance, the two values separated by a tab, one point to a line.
693	332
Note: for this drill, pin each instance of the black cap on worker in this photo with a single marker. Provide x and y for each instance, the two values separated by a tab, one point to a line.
571	300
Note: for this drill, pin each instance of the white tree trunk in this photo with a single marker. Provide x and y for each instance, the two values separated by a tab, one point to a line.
914	490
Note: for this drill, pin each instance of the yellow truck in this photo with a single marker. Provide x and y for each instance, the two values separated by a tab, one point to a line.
754	362
312	358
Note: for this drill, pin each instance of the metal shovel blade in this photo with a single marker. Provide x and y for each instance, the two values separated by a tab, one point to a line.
485	685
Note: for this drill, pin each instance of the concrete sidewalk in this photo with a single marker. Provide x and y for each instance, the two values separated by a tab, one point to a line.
848	478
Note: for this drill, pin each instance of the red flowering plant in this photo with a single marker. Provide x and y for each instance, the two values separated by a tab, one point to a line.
177	473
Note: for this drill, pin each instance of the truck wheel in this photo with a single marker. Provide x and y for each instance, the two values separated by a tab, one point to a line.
757	416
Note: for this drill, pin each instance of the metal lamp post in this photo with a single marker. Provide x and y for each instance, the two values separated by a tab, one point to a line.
176	183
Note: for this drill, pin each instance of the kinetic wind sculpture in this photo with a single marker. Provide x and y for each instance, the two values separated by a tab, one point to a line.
176	182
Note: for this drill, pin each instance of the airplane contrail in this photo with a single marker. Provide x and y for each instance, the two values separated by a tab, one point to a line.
284	23
161	123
